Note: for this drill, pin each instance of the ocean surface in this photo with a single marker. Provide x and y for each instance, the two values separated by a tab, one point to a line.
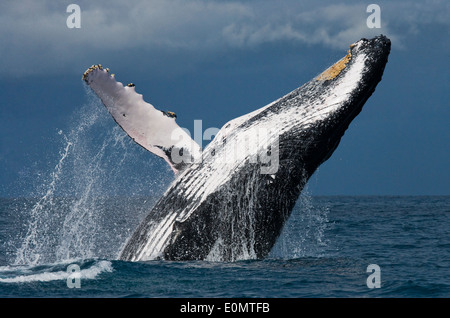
324	251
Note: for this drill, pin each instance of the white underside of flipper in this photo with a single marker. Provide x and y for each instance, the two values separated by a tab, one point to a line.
155	130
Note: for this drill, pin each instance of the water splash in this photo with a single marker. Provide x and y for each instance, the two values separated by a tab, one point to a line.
30	252
99	190
238	213
304	233
52	272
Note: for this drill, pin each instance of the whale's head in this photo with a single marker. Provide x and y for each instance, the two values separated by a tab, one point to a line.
300	130
310	121
337	96
306	125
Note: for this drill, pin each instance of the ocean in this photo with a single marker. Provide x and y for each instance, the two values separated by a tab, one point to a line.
324	251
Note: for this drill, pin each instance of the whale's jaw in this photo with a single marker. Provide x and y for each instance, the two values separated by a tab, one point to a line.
235	209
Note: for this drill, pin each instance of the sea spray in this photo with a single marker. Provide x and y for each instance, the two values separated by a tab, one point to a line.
240	243
304	233
99	190
38	233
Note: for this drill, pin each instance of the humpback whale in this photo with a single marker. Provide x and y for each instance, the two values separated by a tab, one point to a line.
235	208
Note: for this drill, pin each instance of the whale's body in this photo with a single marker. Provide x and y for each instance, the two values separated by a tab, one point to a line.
233	200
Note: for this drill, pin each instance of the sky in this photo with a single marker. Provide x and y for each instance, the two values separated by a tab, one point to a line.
214	61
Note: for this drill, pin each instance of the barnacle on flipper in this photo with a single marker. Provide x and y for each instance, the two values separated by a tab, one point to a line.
91	69
172	114
169	114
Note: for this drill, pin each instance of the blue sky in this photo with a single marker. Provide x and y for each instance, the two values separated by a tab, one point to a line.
217	60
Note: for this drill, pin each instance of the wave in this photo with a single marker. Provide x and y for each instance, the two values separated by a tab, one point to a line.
53	272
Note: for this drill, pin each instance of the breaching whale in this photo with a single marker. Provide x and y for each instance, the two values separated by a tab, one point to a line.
230	200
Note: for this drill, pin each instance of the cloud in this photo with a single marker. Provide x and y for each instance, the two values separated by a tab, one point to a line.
35	39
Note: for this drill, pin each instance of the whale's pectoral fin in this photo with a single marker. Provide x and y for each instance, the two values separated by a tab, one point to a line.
153	129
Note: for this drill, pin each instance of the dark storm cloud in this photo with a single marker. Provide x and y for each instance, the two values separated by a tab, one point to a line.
36	40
